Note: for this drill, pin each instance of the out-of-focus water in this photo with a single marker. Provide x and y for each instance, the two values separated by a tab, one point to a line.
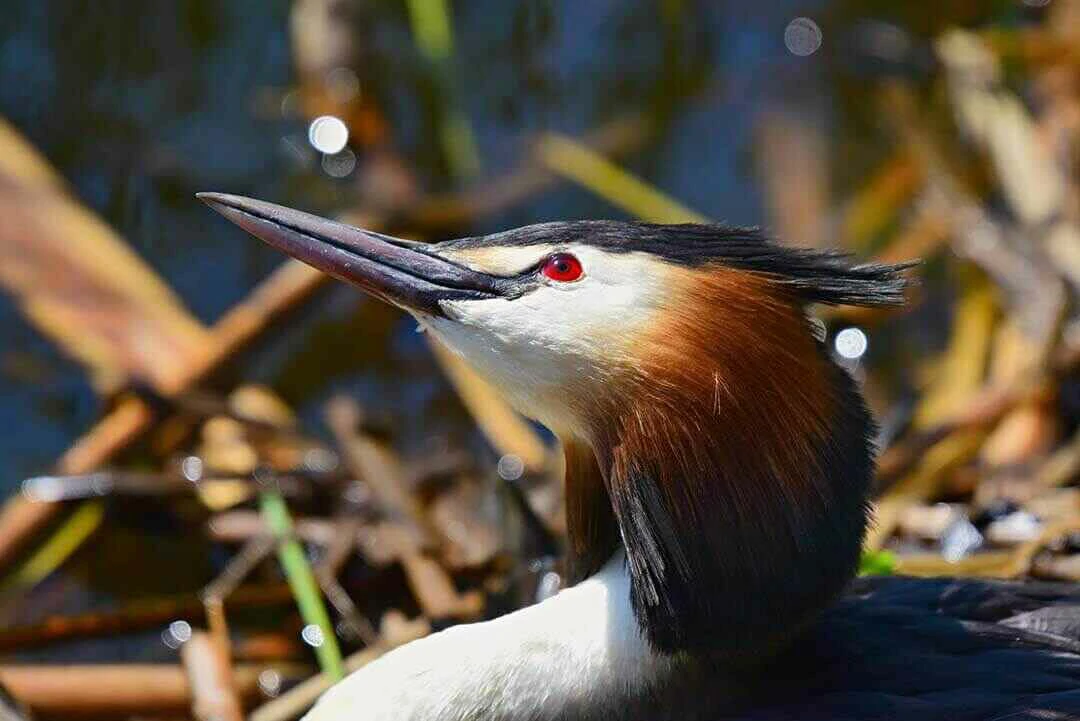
140	105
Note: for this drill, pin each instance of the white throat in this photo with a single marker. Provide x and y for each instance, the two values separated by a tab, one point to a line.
569	656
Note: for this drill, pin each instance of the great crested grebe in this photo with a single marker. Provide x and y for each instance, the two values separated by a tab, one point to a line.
717	472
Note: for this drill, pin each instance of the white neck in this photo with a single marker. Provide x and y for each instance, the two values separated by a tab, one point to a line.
571	656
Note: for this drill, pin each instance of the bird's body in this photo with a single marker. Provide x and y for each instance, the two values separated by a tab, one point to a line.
718	466
892	649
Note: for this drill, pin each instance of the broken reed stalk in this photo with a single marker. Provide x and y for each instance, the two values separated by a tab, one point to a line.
242	526
136	616
214	594
80	284
378	466
576	161
210	679
240	566
433	33
112	690
67	539
302	582
532	176
341	547
406	528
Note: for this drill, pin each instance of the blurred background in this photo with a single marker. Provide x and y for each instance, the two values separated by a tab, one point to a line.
214	456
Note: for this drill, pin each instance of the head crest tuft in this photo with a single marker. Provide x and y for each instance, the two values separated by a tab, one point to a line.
816	276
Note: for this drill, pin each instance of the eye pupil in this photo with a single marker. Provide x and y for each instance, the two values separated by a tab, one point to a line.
562	267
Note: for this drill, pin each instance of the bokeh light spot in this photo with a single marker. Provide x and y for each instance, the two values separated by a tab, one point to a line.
802	37
850	343
312	635
192	468
177	634
511	467
328	134
270	682
340	164
550	584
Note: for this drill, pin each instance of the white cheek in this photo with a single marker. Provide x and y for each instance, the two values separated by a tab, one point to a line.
559	336
519	364
571	318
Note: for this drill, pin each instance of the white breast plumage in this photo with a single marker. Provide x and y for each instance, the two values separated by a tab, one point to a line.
580	649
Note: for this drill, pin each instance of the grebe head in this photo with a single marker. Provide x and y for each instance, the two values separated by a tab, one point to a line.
706	429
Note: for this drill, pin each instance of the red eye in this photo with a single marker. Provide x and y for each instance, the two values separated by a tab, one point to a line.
562	267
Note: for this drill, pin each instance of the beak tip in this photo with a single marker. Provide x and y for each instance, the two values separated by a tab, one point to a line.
218	201
213	200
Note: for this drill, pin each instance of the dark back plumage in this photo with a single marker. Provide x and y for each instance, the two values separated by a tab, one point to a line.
899	649
941	649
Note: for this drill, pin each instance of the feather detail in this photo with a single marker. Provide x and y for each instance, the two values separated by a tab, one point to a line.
738	458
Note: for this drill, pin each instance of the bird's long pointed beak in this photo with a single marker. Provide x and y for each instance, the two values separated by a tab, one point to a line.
397	271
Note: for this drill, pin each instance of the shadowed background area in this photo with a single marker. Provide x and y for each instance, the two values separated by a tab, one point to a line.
157	365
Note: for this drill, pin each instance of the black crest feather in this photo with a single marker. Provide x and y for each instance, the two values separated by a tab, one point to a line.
817	276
